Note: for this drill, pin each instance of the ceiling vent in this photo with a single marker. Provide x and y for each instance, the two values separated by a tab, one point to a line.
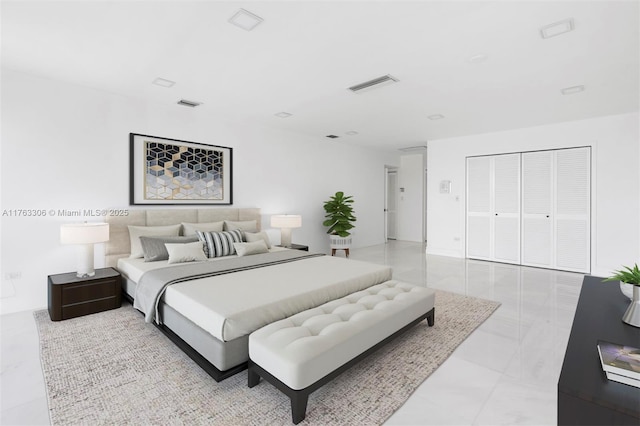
376	82
413	148
191	104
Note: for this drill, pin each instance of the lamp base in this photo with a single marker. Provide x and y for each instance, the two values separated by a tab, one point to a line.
85	261
285	237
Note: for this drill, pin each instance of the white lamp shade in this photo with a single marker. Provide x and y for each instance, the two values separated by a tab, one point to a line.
84	233
286	221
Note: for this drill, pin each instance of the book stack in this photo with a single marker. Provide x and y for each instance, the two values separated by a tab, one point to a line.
620	363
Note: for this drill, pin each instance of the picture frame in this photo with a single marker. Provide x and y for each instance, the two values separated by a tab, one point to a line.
166	171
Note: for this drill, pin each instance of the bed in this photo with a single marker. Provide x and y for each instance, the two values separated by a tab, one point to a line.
209	308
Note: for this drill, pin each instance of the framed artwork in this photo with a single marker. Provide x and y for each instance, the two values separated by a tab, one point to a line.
173	172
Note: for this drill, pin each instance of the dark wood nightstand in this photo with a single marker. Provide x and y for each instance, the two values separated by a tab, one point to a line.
297	247
70	296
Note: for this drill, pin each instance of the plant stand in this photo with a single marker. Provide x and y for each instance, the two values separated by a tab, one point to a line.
340	243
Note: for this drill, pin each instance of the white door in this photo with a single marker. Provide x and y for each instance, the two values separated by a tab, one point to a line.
479	229
537	206
506	208
392	204
573	210
493	208
556	206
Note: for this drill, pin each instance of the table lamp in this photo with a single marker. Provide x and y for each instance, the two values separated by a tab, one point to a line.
286	222
85	235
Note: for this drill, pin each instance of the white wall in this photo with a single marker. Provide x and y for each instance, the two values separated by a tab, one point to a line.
615	142
411	201
66	147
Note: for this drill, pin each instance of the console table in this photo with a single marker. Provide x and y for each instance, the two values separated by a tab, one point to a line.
585	395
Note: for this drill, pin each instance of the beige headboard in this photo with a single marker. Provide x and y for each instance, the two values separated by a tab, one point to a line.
119	246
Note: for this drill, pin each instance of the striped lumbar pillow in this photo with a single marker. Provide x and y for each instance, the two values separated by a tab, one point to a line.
218	244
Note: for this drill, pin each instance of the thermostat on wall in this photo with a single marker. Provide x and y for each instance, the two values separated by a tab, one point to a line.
445	187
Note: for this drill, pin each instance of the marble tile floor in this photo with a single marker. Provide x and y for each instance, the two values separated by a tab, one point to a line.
505	373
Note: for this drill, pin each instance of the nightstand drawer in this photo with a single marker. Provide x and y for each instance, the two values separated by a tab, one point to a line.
79	309
88	291
71	296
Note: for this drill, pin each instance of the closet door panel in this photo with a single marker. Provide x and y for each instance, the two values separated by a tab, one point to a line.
573	206
479	237
506	208
537	206
507	239
479	226
536	242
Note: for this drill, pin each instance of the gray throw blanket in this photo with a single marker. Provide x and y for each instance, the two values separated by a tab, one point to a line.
152	284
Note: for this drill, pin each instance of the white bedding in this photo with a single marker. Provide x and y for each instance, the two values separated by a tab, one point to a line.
134	268
234	305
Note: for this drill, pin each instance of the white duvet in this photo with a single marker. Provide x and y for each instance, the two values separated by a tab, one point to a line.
234	305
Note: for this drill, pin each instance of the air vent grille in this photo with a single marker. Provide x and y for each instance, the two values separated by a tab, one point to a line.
191	104
413	148
375	82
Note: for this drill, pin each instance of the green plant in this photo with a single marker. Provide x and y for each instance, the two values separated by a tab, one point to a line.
339	215
627	275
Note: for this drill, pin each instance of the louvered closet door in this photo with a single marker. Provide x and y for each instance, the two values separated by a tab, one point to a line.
573	209
479	208
556	206
537	206
506	208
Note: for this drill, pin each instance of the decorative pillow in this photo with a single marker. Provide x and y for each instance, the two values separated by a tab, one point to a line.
245	225
218	244
135	232
190	252
246	249
191	228
259	236
153	247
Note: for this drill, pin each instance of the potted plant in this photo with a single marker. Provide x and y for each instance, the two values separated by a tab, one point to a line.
629	277
339	218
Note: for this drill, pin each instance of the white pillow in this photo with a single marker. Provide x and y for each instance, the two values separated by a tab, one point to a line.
251	237
244	225
191	228
246	249
189	252
135	232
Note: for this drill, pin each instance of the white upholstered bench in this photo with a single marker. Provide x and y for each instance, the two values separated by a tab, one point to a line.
301	353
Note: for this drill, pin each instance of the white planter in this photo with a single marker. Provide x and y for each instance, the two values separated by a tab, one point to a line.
338	242
627	289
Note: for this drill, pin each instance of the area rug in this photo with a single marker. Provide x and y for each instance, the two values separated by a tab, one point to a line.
112	368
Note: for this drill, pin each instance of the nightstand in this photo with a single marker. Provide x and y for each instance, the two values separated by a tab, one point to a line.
297	247
70	296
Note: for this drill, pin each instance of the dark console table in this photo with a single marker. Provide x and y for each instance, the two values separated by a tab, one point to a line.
585	396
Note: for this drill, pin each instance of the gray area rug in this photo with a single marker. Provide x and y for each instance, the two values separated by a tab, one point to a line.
112	368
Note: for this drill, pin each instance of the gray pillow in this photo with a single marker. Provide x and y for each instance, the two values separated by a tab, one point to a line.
154	249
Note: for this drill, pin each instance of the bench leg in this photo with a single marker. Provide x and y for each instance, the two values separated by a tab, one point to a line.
253	377
299	406
431	317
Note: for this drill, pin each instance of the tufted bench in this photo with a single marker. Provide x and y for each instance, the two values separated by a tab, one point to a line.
301	353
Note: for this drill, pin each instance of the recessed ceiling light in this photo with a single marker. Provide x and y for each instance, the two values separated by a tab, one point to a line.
163	82
436	117
476	59
557	28
332	136
351	133
245	20
572	90
283	114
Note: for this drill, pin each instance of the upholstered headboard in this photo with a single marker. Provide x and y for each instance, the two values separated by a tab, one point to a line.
119	246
